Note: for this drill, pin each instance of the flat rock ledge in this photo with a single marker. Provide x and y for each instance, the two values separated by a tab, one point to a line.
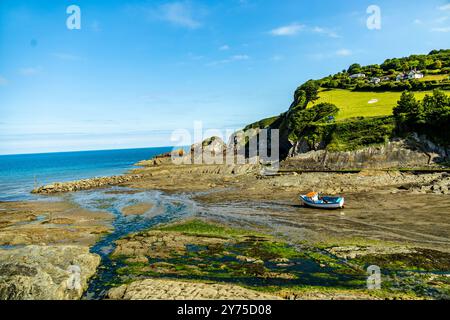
156	289
46	272
86	184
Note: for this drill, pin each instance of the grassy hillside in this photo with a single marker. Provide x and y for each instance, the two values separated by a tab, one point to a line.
363	104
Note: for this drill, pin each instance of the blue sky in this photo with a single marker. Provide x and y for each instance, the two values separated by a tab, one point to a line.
139	69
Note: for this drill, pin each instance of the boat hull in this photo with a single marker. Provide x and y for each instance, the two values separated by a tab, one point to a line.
337	203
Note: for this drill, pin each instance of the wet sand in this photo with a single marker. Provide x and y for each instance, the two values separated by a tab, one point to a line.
376	206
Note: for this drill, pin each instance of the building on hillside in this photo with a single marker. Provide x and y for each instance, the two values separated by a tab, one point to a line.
401	77
357	76
375	80
386	78
414	74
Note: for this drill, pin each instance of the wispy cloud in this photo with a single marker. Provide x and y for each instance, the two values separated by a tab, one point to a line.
277	57
180	14
445	7
235	58
66	56
195	57
331	54
294	28
443	29
441	19
289	30
225	47
3	81
240	57
325	31
30	71
344	52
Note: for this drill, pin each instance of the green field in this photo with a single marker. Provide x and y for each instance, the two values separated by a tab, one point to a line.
434	77
356	104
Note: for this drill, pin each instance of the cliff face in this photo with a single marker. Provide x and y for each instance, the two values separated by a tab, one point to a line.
415	152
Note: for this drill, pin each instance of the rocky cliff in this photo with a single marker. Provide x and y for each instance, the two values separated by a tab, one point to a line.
415	152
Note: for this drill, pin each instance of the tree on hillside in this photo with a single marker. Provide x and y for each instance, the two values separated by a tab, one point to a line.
408	110
437	108
437	64
430	116
311	89
394	64
306	93
354	68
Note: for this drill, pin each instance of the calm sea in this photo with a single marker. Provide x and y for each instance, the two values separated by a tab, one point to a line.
19	174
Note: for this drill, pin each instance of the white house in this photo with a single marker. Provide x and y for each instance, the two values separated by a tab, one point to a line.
400	77
357	75
415	75
375	80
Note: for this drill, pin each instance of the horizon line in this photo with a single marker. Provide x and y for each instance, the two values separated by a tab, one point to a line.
89	150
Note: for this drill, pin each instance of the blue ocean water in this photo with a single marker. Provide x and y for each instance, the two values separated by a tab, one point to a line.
19	174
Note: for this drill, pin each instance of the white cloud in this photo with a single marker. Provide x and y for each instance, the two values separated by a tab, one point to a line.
3	81
240	57
418	21
441	19
444	29
331	54
30	71
289	30
344	52
277	57
235	58
295	28
445	7
195	57
325	31
224	47
179	13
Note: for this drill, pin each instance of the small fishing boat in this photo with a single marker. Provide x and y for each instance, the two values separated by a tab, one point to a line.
313	200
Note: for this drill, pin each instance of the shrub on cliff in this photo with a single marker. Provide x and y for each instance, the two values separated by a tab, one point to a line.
299	120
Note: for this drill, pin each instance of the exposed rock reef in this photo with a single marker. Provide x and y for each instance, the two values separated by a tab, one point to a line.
211	253
38	222
85	184
441	185
45	272
154	289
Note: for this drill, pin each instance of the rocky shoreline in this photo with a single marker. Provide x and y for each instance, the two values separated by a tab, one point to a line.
45	249
399	233
86	184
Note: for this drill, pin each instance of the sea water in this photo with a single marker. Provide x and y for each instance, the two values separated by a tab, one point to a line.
20	174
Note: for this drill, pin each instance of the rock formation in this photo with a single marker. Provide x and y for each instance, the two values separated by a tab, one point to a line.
46	272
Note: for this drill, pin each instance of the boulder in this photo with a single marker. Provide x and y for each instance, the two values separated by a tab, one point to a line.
46	272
